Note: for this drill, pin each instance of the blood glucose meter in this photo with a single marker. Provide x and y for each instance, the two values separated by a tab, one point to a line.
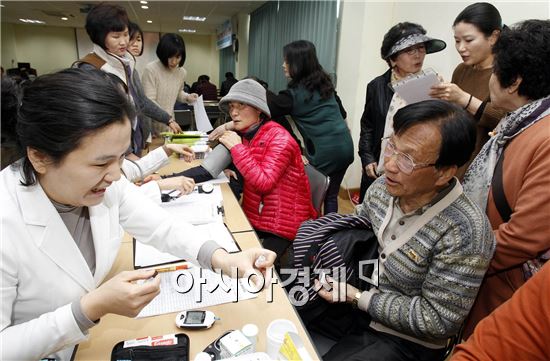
195	319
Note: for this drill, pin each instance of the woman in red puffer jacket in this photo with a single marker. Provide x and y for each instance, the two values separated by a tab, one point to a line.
276	196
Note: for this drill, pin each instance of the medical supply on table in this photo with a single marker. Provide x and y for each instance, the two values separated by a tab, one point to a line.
250	330
206	188
275	336
203	356
171	346
235	344
293	348
261	259
195	319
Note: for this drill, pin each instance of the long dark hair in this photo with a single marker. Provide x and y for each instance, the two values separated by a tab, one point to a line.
58	110
305	70
484	16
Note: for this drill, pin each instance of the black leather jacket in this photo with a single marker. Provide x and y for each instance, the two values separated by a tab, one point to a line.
377	102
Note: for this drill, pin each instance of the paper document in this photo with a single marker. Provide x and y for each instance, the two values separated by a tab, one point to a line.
195	213
201	118
416	87
148	256
205	211
205	288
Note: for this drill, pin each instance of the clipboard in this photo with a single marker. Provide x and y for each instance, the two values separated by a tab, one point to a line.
169	258
416	87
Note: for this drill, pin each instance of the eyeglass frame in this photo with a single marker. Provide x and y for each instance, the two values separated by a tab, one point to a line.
415	49
238	108
407	156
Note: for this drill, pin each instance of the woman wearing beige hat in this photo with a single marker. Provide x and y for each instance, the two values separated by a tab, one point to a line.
276	195
404	47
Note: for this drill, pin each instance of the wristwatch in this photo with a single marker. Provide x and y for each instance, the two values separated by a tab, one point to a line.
355	299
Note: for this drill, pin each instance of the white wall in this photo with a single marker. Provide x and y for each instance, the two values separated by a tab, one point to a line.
202	58
363	25
241	63
47	48
50	48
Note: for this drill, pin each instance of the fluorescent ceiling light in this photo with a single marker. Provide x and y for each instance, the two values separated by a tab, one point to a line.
64	18
143	2
144	7
194	18
149	21
31	21
187	30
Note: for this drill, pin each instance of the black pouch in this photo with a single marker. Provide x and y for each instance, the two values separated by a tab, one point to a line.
178	352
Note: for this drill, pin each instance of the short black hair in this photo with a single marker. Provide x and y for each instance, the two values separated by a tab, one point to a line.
229	75
484	16
134	30
456	126
524	51
103	19
58	110
397	32
171	45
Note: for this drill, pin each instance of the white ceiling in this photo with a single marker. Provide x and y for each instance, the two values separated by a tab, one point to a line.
167	16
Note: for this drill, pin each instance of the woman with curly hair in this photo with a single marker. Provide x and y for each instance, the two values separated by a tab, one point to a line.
511	174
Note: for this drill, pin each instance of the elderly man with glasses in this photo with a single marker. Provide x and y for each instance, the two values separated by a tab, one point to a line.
434	243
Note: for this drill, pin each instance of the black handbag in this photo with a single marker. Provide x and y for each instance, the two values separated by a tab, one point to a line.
176	352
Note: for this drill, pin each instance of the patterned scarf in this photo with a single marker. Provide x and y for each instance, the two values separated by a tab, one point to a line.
479	175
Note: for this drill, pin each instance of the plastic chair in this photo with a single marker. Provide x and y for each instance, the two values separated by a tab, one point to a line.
184	118
318	183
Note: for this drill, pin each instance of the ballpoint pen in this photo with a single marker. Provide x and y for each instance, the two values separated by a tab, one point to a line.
173	268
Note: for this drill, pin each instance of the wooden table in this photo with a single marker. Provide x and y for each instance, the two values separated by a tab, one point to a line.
115	328
234	218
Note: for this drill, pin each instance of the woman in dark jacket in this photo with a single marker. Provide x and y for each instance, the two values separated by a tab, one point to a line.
404	47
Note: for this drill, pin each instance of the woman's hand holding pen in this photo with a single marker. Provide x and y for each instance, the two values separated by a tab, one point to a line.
121	295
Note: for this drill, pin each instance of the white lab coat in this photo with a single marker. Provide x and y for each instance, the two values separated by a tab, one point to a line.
139	169
43	271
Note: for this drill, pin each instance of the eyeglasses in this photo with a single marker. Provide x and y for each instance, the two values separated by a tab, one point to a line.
236	106
404	161
413	50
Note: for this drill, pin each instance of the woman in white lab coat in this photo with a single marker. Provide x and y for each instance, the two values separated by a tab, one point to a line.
64	209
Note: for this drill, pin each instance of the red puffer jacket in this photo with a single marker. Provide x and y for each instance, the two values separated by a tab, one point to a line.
276	196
